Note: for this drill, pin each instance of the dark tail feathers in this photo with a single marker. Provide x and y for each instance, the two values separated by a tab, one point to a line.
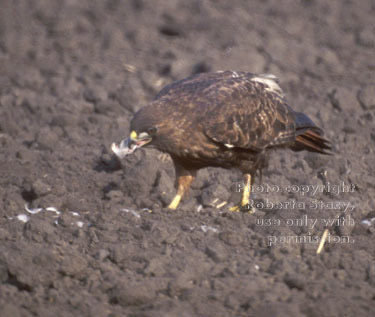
309	136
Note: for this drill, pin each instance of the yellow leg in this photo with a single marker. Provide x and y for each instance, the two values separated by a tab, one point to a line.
176	200
184	182
246	192
245	196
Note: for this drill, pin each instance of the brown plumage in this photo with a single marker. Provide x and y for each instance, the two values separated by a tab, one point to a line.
223	119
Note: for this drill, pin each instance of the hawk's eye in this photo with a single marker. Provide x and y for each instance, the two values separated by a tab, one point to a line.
152	130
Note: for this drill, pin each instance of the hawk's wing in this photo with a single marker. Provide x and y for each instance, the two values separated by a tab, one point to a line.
204	83
250	112
196	84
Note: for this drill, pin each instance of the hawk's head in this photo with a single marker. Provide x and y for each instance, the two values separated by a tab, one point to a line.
146	129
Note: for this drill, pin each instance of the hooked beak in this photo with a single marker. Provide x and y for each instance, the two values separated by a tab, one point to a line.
129	145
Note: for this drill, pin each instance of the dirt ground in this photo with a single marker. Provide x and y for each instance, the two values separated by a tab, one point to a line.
82	234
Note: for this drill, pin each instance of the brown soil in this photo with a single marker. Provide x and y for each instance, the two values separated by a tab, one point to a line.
72	75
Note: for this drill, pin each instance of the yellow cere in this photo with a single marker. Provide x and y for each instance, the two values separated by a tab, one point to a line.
133	135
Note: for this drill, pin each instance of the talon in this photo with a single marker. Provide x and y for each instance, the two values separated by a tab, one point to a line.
221	204
245	202
235	208
245	208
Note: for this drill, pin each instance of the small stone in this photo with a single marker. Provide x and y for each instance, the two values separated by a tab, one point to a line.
132	294
179	285
366	37
41	188
95	95
73	264
3	272
102	254
366	97
230	238
47	139
371	273
217	252
343	99
294	281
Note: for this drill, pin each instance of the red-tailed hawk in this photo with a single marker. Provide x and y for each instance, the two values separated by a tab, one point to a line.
224	119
